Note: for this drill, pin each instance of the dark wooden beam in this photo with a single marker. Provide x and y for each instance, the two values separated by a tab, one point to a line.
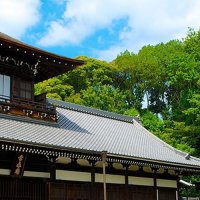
52	168
92	190
92	163
178	185
155	183
126	181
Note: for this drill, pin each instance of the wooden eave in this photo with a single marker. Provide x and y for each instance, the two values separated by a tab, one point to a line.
94	156
48	64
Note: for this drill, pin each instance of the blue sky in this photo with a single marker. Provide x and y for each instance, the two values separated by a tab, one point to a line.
97	28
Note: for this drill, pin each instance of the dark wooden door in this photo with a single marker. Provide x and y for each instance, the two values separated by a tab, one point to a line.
70	191
166	194
116	192
15	189
140	192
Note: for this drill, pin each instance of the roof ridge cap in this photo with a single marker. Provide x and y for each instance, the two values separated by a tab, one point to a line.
89	110
165	144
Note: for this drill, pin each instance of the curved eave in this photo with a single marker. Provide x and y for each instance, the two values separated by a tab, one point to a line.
49	64
183	168
54	150
20	44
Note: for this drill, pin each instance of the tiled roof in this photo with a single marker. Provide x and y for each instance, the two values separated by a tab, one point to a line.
85	129
92	111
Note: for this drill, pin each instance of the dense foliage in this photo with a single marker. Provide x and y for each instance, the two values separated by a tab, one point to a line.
160	85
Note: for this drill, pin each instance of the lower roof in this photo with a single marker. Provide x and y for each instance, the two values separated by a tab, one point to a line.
82	129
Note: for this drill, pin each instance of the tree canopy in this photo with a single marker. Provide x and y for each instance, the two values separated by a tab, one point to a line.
160	85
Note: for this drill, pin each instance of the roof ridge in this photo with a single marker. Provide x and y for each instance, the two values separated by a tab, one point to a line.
93	111
181	153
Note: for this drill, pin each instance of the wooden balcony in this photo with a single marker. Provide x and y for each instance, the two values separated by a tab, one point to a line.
32	109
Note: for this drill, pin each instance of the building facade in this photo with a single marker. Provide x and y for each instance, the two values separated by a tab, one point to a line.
55	150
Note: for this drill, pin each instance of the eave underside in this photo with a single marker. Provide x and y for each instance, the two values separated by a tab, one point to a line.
48	65
96	156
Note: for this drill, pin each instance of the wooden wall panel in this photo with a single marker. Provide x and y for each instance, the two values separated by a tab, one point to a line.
140	192
34	189
116	192
87	191
70	191
166	194
16	189
56	191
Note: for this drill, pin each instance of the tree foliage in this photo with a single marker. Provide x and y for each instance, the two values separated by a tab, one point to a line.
160	85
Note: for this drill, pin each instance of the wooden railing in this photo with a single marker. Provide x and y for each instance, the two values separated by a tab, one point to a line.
29	108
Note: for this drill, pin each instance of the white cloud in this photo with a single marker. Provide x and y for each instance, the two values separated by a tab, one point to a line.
17	16
147	22
110	53
80	19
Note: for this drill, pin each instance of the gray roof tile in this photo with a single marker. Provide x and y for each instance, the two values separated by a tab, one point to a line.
88	110
93	131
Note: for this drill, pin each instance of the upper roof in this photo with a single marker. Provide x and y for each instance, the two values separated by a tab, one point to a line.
83	129
48	64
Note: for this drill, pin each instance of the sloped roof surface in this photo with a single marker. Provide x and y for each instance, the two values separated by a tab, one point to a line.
83	128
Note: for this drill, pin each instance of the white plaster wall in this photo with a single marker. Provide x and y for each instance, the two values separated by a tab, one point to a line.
117	179
27	173
167	183
37	174
140	181
73	176
5	171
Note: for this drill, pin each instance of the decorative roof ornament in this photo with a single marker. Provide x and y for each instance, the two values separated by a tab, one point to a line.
187	156
35	70
51	65
20	63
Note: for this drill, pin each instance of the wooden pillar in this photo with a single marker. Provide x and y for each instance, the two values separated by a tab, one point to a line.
126	175
53	168
126	181
178	196
156	192
92	190
93	174
49	191
104	154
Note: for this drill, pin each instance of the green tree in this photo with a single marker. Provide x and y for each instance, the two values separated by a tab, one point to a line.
104	97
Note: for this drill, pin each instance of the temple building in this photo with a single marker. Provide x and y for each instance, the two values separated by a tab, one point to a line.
55	150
